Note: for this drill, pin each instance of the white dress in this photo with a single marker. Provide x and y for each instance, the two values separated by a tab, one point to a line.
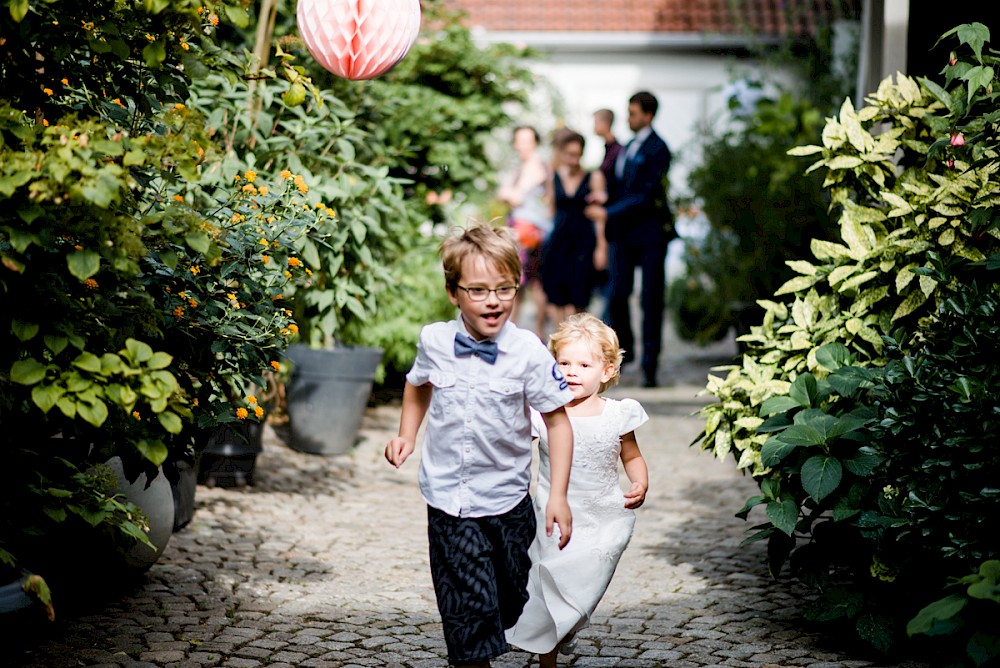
565	586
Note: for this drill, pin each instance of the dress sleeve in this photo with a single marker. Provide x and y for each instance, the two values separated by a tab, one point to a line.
537	424
633	416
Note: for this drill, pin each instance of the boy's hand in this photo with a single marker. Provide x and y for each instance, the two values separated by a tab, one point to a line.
635	496
557	512
398	450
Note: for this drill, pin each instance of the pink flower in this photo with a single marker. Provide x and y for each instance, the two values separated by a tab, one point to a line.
957	139
952	59
951	164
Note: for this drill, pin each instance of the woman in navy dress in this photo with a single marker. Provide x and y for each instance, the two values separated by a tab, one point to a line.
575	250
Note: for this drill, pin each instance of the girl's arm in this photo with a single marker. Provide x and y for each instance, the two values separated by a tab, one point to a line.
532	174
416	399
560	460
550	194
635	469
598	188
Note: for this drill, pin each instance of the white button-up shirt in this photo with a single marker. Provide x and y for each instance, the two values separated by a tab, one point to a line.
476	458
631	149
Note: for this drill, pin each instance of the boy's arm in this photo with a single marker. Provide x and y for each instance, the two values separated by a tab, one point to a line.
635	469
560	460
416	399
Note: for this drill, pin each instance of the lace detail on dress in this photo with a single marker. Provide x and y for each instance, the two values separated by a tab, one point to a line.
602	527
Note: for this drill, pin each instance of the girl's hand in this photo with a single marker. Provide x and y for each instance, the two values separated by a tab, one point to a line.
398	450
557	512
635	496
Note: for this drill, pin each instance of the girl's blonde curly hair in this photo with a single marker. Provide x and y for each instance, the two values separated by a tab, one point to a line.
586	327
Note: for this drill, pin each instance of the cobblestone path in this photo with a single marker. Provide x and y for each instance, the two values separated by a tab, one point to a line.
323	563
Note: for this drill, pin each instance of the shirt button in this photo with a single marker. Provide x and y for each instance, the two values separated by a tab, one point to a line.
469	419
468	449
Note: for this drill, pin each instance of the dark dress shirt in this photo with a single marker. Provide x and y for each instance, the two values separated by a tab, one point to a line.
611	151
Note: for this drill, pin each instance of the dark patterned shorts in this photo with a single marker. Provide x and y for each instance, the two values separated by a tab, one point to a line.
480	570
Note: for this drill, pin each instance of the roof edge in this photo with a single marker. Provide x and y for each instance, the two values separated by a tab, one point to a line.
583	40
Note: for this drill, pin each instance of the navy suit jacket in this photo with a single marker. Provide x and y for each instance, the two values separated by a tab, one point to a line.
637	201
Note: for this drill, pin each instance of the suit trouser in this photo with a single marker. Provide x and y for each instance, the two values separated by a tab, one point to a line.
646	249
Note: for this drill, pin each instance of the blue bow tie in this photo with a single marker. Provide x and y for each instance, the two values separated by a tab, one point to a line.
465	346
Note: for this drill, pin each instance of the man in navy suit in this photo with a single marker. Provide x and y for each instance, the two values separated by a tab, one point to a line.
638	225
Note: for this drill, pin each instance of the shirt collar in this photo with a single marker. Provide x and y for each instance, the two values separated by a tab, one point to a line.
642	134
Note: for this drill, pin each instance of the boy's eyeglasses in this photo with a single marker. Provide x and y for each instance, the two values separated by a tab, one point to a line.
479	294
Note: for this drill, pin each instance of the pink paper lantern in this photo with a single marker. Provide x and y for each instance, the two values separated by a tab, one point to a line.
358	39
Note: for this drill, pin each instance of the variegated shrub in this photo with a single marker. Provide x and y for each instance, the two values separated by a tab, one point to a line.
907	187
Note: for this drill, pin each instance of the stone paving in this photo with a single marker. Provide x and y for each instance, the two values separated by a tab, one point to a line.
322	563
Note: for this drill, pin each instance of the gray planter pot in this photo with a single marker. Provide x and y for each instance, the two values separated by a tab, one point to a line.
156	498
230	458
13	598
327	396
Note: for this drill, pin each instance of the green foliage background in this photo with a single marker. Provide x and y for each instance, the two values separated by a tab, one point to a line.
864	404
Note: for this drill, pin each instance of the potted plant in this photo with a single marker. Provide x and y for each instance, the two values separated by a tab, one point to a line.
141	306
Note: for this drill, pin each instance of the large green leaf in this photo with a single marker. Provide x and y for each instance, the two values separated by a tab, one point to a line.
778	404
88	362
804	390
24	331
94	412
774	450
46	396
832	356
19	9
27	372
154	451
821	475
783	515
940	610
863	463
170	421
83	263
159	360
137	351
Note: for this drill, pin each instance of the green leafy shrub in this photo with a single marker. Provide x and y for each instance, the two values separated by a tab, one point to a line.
938	430
761	208
968	616
880	481
315	145
897	198
866	403
418	297
97	151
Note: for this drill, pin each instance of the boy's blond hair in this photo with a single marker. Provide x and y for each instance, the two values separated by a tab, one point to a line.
586	327
496	244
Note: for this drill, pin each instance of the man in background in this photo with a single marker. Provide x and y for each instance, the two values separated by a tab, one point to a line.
638	227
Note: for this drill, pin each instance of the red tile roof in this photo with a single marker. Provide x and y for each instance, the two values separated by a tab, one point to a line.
726	17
